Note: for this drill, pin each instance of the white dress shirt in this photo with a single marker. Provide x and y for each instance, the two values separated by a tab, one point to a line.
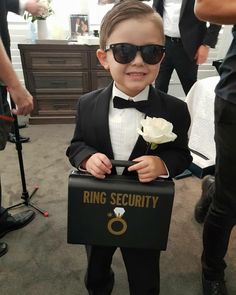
123	124
171	16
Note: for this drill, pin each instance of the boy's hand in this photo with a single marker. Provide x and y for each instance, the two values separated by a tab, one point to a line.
98	165
148	168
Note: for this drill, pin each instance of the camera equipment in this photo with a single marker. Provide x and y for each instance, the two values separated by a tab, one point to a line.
25	194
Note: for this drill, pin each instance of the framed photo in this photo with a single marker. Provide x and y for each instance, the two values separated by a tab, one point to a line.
79	25
102	2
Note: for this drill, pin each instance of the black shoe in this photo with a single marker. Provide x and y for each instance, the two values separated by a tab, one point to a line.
202	206
12	138
12	222
214	287
3	249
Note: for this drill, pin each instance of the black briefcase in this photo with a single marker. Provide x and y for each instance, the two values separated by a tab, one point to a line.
119	211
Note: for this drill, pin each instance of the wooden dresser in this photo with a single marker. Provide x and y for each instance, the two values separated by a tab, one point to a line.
57	75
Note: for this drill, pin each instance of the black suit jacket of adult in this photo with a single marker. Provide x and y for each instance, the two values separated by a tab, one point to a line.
5	7
193	32
92	130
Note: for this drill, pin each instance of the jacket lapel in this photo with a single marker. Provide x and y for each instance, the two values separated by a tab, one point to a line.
155	109
102	102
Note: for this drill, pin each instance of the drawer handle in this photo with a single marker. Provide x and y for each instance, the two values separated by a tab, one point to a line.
60	106
57	83
58	61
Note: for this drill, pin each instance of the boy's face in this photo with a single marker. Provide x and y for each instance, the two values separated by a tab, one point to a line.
133	77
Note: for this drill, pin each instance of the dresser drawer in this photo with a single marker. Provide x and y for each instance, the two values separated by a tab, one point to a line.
54	105
59	82
57	60
100	79
95	63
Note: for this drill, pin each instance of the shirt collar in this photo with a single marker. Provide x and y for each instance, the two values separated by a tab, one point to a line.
143	95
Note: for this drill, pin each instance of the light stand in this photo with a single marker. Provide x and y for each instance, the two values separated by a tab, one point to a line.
25	195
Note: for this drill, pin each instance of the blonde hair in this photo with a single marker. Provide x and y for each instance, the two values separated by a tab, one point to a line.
124	10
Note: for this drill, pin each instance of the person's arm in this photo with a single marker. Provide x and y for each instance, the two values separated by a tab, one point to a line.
216	11
33	6
13	6
21	97
209	41
19	6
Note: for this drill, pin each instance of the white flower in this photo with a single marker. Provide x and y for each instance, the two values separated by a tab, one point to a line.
156	131
46	5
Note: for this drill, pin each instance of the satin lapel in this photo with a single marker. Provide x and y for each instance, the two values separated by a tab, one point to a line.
156	109
101	120
184	2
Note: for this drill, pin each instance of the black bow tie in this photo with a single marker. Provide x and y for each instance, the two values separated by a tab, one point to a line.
120	103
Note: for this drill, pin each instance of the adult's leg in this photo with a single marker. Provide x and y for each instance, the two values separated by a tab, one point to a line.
185	67
202	207
2	210
143	270
166	69
2	111
222	215
0	196
216	234
99	279
3	246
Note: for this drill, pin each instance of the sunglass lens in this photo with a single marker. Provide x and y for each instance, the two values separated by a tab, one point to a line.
152	54
124	53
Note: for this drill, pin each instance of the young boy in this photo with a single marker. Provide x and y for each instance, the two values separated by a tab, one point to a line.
131	48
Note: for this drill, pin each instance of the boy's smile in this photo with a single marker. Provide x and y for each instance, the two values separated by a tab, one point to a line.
136	75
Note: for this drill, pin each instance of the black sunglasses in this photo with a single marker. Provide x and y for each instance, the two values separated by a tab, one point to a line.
124	53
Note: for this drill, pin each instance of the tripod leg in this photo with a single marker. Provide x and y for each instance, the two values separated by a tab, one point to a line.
25	195
45	213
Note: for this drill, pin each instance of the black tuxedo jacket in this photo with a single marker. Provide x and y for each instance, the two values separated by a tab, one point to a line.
5	7
193	32
92	131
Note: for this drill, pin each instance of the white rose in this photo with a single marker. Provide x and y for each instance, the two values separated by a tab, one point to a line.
156	131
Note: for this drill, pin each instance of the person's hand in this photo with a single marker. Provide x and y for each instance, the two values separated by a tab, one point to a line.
34	7
22	98
202	54
98	165
148	168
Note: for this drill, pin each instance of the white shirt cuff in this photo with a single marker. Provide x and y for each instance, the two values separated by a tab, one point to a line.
168	174
82	169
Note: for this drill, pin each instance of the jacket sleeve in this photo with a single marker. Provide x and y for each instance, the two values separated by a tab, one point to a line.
211	36
176	155
78	149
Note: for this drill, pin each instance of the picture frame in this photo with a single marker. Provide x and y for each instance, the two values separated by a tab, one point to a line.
79	25
103	2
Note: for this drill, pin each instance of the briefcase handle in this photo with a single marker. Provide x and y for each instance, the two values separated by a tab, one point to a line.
122	163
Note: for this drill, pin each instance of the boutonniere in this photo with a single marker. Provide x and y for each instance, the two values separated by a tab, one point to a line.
156	131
